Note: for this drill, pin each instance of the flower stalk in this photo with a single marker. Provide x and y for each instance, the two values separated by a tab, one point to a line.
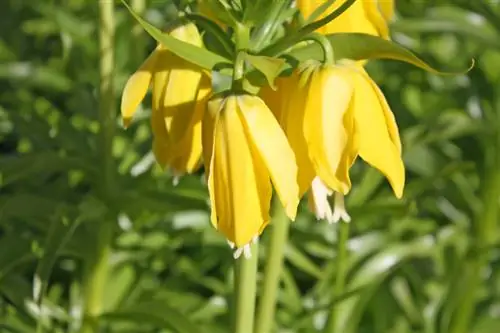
96	270
486	226
340	275
273	269
245	290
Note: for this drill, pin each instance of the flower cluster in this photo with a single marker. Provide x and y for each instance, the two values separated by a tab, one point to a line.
301	138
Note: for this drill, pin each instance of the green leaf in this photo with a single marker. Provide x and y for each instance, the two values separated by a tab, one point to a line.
357	46
156	312
220	40
59	233
270	67
196	55
318	11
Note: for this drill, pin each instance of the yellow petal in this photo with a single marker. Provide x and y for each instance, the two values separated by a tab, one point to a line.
375	143
213	109
294	129
390	120
240	210
387	8
323	123
271	144
161	152
136	88
187	151
375	16
351	149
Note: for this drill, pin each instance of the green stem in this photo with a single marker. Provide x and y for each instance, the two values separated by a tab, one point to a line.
326	46
340	276
242	35
95	279
486	231
486	224
291	39
265	32
245	285
139	6
273	270
96	270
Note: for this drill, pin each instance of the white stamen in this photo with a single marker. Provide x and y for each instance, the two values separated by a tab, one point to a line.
246	249
339	211
320	193
175	180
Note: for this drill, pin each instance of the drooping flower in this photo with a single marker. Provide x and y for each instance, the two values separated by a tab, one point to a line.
328	148
337	127
363	16
245	153
179	93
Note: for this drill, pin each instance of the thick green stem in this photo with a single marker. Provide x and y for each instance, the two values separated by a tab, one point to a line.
245	287
273	270
486	231
139	6
96	270
340	276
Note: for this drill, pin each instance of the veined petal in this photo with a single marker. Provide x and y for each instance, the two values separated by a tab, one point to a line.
180	95
390	120
158	126
294	130
161	151
232	153
210	116
386	8
271	144
375	16
187	151
375	143
323	123
136	88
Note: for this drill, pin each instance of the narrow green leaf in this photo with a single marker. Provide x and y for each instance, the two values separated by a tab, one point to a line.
59	233
358	46
156	312
318	11
270	67
220	37
13	252
196	55
302	262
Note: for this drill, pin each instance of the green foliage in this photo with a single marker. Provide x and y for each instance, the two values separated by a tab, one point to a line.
414	265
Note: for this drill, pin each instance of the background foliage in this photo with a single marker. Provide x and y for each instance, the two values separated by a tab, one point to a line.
416	265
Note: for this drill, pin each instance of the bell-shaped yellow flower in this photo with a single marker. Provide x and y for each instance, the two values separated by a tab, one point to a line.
354	120
245	153
179	93
363	16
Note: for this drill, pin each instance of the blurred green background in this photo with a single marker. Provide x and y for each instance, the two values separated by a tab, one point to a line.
427	263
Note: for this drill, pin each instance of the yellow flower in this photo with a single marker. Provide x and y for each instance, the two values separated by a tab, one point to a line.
337	127
364	16
330	115
245	151
179	93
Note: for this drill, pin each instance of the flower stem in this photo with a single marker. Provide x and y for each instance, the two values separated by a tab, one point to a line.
485	233
328	55
272	274
245	287
341	271
139	6
96	270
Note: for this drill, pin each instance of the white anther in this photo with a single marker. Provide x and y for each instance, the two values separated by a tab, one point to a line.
339	211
